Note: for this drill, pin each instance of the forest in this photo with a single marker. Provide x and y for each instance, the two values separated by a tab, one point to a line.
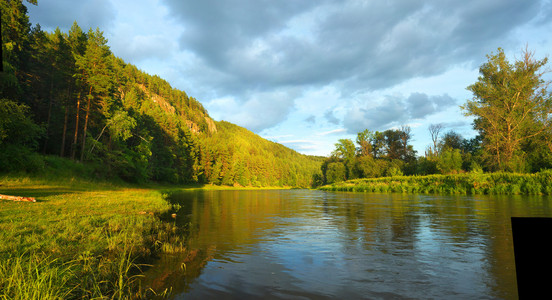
512	110
65	94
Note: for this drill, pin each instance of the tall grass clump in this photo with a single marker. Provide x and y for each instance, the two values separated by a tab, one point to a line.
35	276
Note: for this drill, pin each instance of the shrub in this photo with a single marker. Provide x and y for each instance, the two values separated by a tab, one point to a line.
450	161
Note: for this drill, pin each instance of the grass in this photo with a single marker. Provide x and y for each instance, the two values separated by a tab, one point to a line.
81	239
462	184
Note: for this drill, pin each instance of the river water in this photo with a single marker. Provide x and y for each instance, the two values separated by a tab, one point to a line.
308	244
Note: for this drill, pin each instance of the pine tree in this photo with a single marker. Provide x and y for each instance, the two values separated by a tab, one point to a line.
96	71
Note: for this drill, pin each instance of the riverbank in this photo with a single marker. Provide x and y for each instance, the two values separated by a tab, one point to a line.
83	238
80	239
462	184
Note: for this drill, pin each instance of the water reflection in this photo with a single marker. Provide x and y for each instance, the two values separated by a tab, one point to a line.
317	245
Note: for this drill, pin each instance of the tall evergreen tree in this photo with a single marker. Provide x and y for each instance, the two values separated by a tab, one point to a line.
96	71
77	41
15	36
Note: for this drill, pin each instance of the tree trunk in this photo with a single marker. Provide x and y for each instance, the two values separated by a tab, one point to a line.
49	114
62	150
85	124
75	138
47	127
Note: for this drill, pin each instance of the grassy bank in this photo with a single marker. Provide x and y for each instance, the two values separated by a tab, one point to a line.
468	183
81	239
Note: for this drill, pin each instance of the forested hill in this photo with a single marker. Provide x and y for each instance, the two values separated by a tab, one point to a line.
66	94
235	154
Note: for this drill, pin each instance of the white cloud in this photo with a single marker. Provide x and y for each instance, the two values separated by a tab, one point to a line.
335	131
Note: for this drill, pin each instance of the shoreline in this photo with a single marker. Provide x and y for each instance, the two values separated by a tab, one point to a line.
85	238
500	183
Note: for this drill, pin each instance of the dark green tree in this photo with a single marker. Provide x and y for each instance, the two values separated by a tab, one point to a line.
15	39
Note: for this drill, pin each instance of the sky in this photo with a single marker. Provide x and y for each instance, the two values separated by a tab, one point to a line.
306	73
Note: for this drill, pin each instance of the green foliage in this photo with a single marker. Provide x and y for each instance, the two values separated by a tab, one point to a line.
475	168
17	159
367	167
449	161
426	166
236	155
363	140
336	172
379	153
345	150
121	125
511	105
393	171
16	125
18	139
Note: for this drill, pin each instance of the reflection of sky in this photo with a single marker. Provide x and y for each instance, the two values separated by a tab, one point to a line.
364	246
458	265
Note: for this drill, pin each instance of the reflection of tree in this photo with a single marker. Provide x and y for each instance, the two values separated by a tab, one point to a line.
473	232
177	272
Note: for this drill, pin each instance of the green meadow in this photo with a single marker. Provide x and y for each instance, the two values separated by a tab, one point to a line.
80	239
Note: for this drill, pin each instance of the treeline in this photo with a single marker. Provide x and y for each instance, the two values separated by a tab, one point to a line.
66	94
512	109
375	154
384	154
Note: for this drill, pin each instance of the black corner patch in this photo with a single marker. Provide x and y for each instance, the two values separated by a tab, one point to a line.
532	239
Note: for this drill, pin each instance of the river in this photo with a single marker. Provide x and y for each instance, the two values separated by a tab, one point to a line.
309	244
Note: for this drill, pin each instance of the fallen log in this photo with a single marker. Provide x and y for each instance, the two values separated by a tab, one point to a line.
17	198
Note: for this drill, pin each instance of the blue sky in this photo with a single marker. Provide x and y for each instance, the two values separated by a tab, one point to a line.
306	73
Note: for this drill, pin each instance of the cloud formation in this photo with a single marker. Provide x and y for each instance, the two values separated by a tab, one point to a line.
393	111
292	65
258	112
62	13
369	44
330	117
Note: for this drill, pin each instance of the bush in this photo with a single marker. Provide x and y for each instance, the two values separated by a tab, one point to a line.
17	159
450	161
16	125
336	172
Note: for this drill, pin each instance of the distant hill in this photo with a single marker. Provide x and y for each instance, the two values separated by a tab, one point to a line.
73	98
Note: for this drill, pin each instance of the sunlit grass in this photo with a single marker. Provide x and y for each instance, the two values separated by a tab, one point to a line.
461	184
80	239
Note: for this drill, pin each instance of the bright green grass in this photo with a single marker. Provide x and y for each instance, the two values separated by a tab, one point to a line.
80	239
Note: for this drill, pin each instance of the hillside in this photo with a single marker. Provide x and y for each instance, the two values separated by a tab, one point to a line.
66	94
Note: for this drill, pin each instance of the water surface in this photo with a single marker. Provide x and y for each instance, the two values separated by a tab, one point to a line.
303	244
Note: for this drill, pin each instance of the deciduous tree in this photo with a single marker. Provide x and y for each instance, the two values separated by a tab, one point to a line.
511	104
